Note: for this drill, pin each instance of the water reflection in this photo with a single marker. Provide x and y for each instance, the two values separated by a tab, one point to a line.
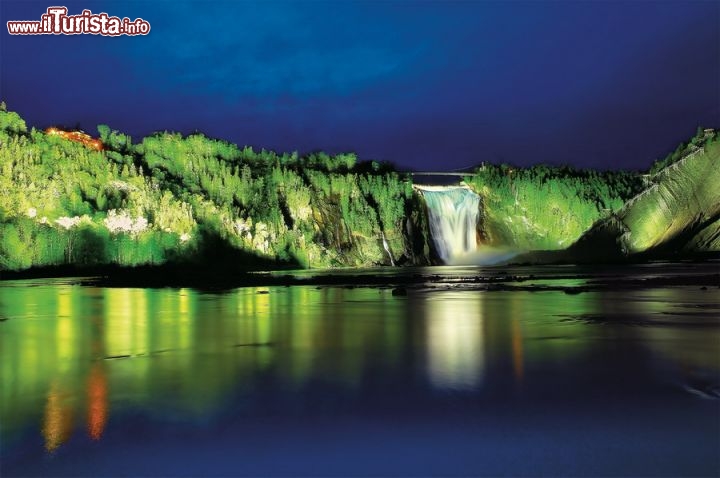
97	396
454	328
79	359
517	350
58	421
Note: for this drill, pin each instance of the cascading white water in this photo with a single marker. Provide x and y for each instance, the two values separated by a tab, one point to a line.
453	215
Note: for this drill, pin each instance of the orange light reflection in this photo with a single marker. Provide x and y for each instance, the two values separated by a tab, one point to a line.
97	401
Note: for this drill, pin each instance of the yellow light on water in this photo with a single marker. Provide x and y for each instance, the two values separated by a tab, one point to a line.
456	353
57	422
66	333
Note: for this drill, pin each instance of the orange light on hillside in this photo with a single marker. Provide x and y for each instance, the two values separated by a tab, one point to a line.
78	137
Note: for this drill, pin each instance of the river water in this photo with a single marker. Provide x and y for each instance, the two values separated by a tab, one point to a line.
438	379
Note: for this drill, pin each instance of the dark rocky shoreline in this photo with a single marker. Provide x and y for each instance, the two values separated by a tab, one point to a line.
521	277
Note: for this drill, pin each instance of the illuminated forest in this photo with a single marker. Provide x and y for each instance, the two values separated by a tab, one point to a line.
200	201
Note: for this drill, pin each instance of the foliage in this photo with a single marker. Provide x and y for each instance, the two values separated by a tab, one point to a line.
169	196
544	207
193	198
685	149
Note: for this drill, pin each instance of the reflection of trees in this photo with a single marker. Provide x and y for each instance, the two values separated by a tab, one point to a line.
71	352
58	419
517	349
697	367
180	353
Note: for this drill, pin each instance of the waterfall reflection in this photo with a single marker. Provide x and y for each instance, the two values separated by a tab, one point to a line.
474	340
455	345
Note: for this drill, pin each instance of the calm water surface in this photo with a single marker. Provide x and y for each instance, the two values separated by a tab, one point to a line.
355	381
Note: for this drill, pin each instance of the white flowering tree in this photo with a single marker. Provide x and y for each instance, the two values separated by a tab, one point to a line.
121	222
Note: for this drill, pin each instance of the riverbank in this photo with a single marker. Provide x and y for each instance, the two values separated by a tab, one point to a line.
589	277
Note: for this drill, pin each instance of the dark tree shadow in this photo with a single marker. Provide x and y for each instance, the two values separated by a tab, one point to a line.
90	247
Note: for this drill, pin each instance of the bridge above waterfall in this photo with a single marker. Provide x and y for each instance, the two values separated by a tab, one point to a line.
441	178
437	179
440	187
440	173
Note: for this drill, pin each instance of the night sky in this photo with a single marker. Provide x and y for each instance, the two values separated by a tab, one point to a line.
431	86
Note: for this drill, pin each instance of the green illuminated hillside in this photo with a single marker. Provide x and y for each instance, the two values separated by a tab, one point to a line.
545	208
201	202
191	200
679	212
671	210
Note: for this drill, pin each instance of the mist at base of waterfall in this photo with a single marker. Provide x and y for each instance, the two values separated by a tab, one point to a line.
484	256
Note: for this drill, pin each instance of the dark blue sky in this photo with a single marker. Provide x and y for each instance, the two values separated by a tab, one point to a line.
425	85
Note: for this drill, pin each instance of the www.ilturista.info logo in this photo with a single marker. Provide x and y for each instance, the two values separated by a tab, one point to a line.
57	22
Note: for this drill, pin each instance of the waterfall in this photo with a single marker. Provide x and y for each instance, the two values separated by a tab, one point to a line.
386	246
453	216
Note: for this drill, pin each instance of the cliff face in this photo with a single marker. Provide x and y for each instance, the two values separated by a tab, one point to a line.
680	210
678	213
706	239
